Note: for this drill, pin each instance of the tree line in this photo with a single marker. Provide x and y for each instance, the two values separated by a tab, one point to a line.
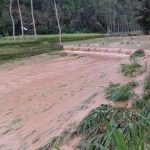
74	16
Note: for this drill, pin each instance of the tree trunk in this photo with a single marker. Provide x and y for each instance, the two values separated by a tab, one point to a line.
20	15
12	19
118	28
131	16
56	11
109	16
114	16
33	20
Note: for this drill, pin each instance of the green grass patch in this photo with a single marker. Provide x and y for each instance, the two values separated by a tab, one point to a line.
49	38
22	51
117	93
138	103
10	49
130	69
143	100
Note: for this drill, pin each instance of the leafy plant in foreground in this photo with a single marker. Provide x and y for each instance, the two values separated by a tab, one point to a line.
139	135
109	128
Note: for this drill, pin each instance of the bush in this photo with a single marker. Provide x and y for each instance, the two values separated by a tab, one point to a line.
138	53
42	30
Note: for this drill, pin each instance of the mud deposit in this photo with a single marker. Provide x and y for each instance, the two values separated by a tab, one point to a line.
39	100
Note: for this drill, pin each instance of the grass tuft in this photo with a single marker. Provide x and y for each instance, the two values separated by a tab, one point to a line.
117	93
130	69
138	103
138	53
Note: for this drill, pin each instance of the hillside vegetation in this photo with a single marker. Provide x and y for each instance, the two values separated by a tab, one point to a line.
77	16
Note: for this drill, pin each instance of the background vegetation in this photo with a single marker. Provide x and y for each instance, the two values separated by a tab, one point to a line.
78	16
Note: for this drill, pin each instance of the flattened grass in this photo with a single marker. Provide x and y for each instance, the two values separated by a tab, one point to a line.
98	128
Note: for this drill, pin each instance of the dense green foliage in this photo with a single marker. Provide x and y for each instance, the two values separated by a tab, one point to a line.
85	16
142	15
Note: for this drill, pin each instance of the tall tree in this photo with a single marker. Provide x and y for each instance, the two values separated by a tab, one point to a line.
33	20
114	16
143	15
58	22
21	21
12	19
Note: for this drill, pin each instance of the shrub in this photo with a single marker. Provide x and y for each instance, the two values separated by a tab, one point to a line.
42	30
138	53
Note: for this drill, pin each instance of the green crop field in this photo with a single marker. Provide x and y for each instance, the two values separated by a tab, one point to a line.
12	49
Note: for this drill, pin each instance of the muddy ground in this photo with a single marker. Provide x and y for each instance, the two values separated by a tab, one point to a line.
40	96
131	42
